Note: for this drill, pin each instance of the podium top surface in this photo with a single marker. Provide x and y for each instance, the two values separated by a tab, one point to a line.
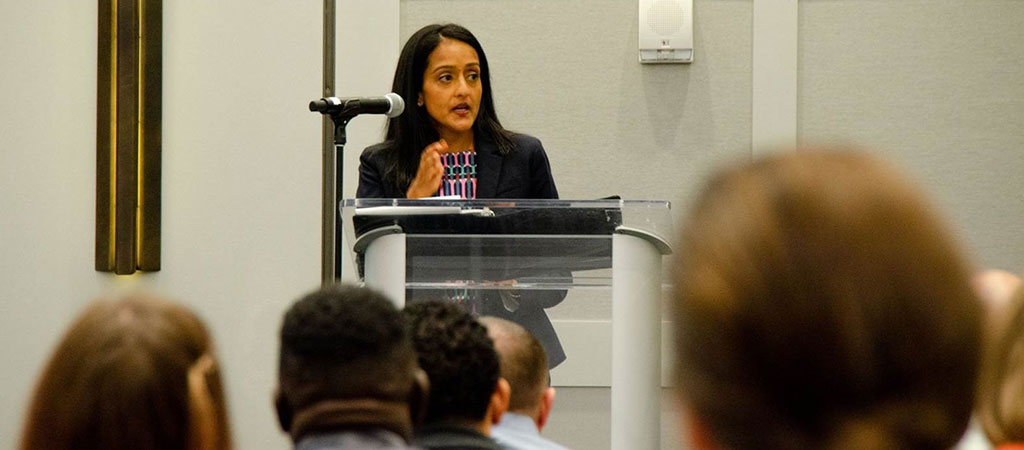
648	216
536	242
501	203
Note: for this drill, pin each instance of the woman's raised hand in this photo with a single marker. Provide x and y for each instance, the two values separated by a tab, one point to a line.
428	176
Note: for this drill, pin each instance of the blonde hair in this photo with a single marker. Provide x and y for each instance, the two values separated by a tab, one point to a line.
134	373
821	303
1001	388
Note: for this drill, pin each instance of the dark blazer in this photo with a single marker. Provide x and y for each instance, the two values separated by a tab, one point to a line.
525	173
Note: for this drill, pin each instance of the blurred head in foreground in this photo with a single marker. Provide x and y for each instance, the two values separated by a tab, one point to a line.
136	373
1001	393
995	288
822	303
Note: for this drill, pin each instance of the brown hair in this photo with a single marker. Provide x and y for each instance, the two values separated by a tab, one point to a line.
1001	392
136	373
523	362
821	303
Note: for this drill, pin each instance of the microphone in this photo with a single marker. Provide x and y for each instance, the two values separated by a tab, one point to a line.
390	105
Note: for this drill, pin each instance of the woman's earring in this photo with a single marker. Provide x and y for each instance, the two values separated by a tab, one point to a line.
419	103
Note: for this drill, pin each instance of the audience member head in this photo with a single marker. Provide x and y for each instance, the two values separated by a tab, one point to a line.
1001	392
347	363
463	367
524	365
995	288
134	373
822	303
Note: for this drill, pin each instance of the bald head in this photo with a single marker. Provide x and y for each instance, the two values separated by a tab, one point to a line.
523	363
995	287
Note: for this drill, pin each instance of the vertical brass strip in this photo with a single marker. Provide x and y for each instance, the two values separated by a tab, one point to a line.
112	150
150	111
104	137
126	196
128	135
329	212
140	149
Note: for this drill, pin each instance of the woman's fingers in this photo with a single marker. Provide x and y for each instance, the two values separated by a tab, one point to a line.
430	172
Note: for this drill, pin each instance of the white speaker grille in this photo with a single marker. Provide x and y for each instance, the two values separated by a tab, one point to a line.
666	17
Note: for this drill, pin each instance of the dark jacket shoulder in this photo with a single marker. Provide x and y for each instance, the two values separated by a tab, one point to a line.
372	165
524	173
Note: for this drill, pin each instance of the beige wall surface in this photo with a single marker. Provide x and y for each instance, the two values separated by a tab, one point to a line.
241	185
936	86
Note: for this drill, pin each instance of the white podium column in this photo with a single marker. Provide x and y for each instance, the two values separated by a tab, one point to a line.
384	268
636	343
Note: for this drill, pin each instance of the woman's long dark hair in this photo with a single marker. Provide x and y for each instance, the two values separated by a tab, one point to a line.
408	134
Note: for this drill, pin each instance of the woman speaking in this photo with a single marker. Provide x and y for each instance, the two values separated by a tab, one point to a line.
452	144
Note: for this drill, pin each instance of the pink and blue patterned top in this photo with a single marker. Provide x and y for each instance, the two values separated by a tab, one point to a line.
459	174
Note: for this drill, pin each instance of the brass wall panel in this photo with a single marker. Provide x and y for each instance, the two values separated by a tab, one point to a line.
127	170
128	135
104	138
151	150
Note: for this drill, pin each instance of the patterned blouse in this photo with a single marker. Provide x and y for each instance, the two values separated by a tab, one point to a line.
459	174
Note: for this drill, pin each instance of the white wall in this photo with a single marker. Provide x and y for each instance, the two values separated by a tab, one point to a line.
241	186
936	86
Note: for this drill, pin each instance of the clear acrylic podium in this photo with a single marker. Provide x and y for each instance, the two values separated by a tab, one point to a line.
438	246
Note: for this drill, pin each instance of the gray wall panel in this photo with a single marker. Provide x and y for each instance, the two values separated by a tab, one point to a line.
937	86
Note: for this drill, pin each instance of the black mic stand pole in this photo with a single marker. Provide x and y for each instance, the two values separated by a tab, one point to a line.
333	196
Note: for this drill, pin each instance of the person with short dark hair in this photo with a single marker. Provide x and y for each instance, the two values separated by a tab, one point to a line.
822	303
468	394
136	373
524	365
347	374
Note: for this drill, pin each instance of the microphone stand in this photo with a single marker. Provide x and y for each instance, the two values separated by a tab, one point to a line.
341	112
331	197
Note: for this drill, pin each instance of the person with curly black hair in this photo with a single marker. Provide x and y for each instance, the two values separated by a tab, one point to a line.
468	394
347	372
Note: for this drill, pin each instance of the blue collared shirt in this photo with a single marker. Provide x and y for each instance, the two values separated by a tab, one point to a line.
519	432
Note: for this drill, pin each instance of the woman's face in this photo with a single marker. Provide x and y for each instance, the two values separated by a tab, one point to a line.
452	87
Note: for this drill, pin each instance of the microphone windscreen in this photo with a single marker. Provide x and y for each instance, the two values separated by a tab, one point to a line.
397	105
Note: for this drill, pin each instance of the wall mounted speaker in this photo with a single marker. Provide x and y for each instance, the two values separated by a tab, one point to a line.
666	31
